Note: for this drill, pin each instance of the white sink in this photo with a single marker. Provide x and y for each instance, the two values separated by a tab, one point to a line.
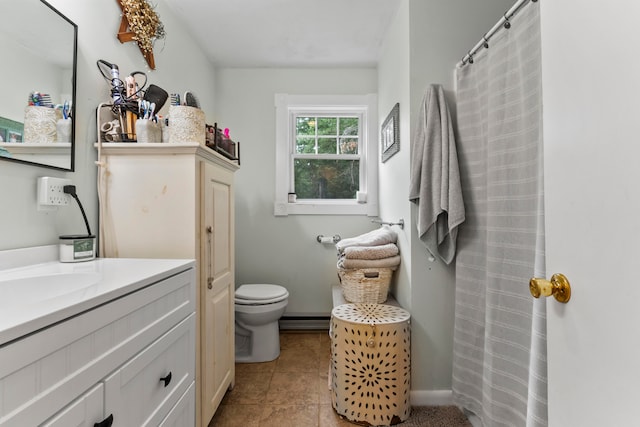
23	290
36	290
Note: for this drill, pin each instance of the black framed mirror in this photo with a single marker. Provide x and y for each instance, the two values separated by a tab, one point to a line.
37	85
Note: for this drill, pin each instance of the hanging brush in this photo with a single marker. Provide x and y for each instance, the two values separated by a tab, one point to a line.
191	100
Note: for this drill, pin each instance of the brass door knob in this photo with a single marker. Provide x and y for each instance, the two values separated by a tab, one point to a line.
559	287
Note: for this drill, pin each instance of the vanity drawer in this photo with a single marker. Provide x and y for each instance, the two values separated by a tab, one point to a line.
43	372
85	411
144	390
184	413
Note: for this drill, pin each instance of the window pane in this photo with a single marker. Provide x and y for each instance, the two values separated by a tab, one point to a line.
327	126
348	126
348	146
305	145
327	146
326	179
305	126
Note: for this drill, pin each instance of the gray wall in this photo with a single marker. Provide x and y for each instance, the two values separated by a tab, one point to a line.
282	250
423	45
21	224
427	38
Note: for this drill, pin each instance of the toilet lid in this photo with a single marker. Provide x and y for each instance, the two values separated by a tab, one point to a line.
260	294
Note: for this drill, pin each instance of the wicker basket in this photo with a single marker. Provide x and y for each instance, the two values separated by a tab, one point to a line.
365	285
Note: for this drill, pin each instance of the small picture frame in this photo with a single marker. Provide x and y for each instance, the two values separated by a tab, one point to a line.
10	130
390	134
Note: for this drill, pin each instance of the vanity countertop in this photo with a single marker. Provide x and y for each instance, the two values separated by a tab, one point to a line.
36	296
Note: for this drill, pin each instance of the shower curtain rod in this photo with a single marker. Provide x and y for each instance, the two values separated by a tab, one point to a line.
503	22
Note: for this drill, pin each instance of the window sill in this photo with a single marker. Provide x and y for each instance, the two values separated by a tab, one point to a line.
319	208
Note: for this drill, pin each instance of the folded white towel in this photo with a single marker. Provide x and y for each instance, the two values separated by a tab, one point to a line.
380	236
371	252
391	262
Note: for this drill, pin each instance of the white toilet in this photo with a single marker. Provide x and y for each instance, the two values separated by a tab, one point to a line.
258	309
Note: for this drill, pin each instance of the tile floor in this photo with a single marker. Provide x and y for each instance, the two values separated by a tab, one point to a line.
292	390
289	391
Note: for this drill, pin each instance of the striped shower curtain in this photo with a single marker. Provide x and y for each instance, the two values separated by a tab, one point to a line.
499	365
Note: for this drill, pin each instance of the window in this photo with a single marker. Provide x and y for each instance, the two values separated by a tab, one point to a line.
324	156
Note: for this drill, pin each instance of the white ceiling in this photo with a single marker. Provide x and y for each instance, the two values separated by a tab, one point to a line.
288	33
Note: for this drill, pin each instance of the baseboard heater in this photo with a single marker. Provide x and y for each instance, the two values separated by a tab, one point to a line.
304	323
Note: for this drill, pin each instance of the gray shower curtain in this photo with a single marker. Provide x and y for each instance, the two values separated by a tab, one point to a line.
499	365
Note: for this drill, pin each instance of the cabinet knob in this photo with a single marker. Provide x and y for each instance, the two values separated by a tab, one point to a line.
107	422
166	380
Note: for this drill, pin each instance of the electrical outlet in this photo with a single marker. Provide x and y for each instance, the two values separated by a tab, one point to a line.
51	192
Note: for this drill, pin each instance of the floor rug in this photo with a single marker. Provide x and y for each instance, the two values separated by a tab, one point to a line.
436	416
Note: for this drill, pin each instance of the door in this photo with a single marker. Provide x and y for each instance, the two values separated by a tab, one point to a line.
591	85
218	327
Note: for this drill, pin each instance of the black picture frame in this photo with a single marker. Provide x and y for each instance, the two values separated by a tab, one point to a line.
390	134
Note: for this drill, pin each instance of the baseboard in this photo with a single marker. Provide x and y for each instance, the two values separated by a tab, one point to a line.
431	397
304	323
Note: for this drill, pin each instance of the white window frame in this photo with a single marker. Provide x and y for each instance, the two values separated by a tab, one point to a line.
287	106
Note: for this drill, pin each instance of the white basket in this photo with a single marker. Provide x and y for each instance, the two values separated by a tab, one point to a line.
186	124
365	285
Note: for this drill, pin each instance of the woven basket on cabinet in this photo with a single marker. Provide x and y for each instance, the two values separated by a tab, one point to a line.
365	285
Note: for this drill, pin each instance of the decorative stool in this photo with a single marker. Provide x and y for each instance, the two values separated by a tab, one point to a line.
370	363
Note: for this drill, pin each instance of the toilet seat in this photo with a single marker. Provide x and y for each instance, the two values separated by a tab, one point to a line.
260	294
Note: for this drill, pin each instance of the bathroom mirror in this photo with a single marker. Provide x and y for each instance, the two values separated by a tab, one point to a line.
38	46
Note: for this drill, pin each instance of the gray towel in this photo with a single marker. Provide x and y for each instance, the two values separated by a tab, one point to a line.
435	178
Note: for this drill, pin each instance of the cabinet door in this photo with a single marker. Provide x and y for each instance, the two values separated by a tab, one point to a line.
217	304
86	411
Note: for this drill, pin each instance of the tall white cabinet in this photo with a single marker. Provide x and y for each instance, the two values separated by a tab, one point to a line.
177	201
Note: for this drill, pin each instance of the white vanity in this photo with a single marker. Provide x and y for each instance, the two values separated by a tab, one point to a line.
97	343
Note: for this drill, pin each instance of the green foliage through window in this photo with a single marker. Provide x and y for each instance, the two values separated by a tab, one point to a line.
326	135
326	179
335	140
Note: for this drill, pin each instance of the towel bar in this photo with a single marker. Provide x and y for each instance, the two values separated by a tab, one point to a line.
400	222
